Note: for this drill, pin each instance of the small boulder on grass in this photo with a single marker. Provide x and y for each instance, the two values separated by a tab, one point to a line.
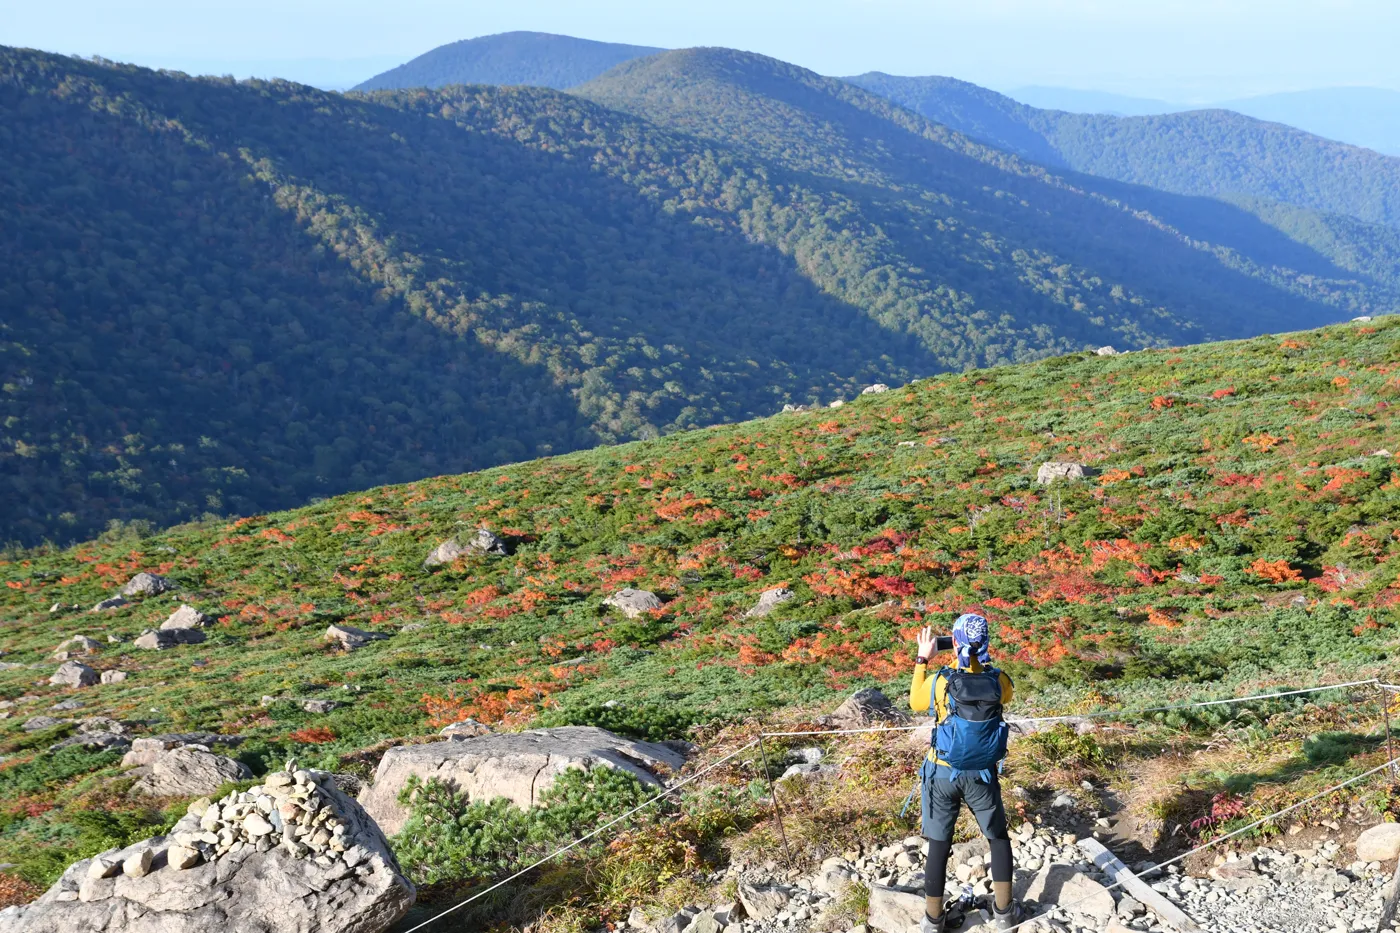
1053	470
169	638
351	638
186	617
74	674
633	603
76	646
769	600
484	542
147	584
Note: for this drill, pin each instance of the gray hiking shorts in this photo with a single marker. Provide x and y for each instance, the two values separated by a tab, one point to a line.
943	796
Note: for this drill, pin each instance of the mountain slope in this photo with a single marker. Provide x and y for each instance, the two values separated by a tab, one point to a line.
532	58
1243	526
1215	153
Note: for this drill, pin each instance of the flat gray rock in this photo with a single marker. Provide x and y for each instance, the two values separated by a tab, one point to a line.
146	750
189	772
518	766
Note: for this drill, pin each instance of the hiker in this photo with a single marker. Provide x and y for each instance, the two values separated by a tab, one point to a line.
968	745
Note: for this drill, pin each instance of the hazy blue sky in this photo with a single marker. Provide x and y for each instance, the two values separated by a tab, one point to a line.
1179	49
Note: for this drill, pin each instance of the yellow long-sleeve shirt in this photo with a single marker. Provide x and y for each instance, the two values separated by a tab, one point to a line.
928	688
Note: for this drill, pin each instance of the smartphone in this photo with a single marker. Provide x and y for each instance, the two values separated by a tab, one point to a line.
943	643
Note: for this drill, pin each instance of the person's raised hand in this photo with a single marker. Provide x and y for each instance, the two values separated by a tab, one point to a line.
926	642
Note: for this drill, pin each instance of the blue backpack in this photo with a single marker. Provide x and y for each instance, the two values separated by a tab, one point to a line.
972	737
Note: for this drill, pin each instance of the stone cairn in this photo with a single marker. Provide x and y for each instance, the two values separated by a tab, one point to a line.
291	808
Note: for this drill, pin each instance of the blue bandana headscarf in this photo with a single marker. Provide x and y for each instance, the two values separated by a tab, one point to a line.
970	638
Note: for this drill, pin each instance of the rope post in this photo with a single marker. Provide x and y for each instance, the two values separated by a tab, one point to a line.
773	792
1389	746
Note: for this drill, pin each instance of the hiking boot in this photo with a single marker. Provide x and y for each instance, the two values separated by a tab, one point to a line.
931	925
1013	915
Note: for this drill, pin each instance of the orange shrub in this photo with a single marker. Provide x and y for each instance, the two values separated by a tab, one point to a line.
1274	571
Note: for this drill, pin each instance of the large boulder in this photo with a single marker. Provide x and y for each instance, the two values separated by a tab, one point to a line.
517	766
147	584
74	674
483	542
633	603
189	772
1053	470
294	855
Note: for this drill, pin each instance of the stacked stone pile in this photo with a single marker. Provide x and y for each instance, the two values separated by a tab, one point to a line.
292	854
290	808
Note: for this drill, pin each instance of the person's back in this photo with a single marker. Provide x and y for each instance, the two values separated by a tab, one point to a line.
962	763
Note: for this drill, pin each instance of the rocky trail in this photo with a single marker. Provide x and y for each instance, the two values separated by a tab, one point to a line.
1324	888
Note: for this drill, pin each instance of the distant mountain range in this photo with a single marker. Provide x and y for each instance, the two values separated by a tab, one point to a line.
1361	116
1217	153
537	59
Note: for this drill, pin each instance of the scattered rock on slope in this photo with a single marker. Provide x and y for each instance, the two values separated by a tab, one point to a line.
294	854
1380	843
146	750
351	638
159	640
147	584
518	766
483	542
769	600
186	617
866	707
1052	470
76	646
116	602
876	389
74	674
633	603
188	772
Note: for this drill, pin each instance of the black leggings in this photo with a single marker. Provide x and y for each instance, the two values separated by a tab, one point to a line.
937	868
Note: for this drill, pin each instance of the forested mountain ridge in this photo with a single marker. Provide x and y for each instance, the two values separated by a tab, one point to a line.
1217	153
901	172
532	58
233	297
